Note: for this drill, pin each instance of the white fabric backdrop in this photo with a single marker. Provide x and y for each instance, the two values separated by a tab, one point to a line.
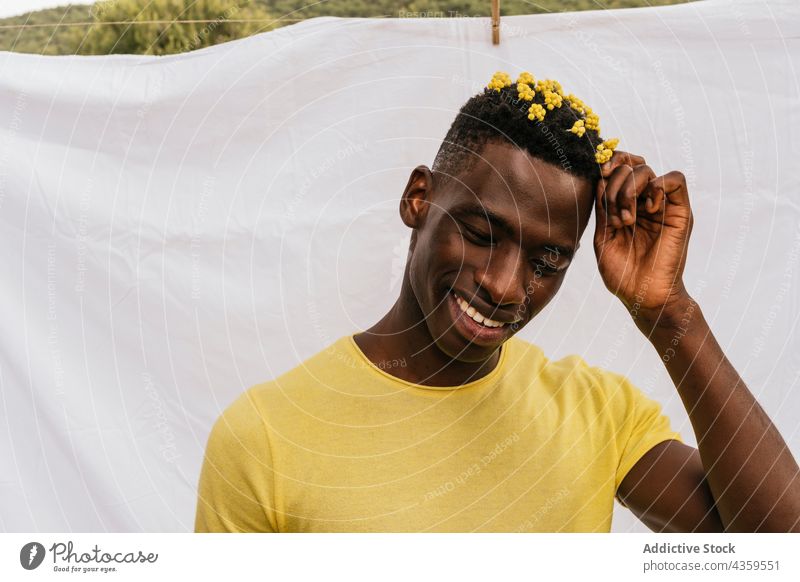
177	229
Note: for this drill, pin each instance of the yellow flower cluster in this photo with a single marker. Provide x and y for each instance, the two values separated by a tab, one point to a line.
526	78
552	99
525	91
525	83
543	85
551	90
499	80
536	111
605	150
553	96
575	103
592	120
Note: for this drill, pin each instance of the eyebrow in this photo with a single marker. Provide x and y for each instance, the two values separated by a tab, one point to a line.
501	223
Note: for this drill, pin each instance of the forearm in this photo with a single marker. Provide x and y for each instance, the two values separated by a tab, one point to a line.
751	472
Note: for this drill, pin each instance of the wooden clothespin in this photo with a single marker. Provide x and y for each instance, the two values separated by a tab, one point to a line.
495	21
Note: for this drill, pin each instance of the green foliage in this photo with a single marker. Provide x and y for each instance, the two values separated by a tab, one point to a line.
44	40
158	34
98	35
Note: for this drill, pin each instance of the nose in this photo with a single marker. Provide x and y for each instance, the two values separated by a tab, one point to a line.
502	277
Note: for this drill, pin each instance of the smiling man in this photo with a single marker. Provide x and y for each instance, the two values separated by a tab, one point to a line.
438	419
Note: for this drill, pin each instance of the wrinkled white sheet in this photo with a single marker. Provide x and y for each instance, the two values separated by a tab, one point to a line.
177	229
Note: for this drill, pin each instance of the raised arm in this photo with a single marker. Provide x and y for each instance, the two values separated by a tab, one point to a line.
743	477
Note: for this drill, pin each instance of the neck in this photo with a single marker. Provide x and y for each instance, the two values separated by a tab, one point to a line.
401	335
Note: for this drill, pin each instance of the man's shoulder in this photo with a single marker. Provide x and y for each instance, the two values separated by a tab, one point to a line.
332	355
566	372
320	372
526	352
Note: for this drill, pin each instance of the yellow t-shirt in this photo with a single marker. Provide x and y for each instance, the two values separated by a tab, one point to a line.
338	444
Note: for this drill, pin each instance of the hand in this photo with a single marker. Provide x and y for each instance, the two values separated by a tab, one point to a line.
641	236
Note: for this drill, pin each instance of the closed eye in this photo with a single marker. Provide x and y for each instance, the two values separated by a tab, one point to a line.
477	236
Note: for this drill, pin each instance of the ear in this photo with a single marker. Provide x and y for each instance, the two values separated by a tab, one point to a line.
416	197
586	196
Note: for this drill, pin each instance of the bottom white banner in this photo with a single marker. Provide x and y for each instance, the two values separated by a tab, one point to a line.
379	557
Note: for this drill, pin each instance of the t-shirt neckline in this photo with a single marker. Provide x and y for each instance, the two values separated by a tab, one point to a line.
488	378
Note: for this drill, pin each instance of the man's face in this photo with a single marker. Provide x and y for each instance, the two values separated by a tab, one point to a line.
497	238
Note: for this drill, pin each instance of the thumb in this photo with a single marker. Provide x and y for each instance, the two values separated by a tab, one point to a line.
603	227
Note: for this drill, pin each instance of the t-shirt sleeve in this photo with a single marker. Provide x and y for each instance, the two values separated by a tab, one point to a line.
640	424
235	490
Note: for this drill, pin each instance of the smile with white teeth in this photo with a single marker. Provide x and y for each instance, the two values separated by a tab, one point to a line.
473	313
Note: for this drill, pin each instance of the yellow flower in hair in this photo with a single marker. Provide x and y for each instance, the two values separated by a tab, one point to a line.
553	96
578	128
526	78
552	99
536	111
499	80
592	120
525	92
602	155
575	103
605	150
545	85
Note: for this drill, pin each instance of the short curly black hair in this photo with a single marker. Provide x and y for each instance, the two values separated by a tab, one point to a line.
500	116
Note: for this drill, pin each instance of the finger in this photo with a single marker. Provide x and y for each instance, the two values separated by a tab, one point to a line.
603	227
612	187
620	158
632	188
655	199
674	188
